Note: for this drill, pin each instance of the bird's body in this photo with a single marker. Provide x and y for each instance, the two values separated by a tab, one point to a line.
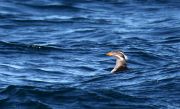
120	60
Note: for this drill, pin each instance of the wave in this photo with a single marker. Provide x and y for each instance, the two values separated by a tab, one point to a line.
6	14
12	66
171	40
21	46
8	46
53	54
49	19
32	97
54	6
61	19
24	95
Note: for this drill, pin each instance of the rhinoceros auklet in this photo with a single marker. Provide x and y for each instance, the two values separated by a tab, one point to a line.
120	60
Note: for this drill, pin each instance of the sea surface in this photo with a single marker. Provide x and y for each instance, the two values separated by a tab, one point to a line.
52	54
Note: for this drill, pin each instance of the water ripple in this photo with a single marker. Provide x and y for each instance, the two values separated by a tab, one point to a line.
53	54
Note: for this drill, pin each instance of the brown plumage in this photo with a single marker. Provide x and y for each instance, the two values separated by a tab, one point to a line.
120	60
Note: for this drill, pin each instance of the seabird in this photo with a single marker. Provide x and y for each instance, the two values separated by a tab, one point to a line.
120	60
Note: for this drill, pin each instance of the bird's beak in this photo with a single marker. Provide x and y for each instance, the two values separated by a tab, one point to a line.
109	54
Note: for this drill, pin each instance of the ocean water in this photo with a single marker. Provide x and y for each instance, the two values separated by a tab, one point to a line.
52	54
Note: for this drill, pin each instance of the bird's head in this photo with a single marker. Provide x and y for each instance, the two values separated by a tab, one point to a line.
117	54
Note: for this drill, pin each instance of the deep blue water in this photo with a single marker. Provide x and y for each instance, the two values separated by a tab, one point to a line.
52	54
